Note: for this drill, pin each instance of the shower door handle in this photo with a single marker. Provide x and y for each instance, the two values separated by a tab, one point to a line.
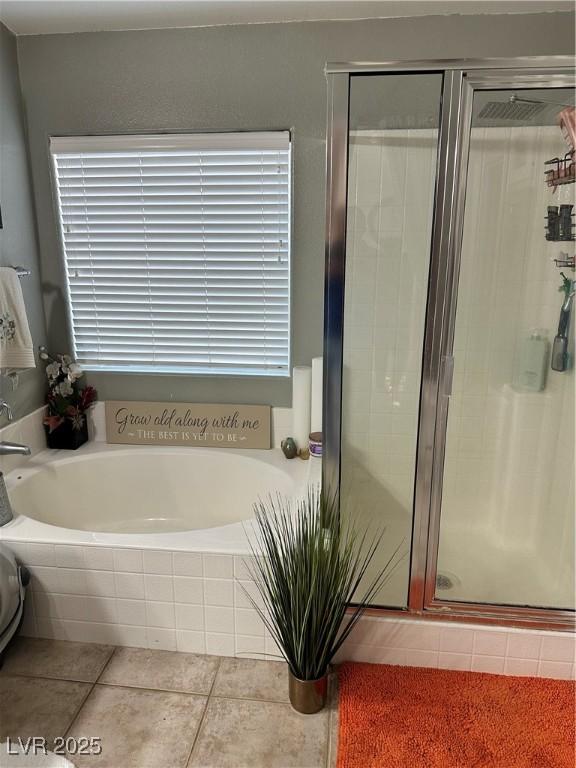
446	375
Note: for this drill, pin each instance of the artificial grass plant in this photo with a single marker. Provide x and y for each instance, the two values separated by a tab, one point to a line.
307	565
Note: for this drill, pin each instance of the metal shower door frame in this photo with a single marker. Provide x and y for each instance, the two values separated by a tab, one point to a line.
460	80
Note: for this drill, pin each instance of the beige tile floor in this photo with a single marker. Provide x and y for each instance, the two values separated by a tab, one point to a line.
160	709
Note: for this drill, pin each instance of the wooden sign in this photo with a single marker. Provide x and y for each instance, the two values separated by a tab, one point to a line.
213	426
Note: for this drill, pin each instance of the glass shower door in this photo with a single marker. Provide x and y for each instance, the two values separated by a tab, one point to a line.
507	517
392	157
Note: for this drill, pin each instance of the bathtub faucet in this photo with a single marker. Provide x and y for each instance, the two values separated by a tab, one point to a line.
10	449
7	448
7	409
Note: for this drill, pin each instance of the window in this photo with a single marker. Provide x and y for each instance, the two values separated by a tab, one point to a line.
177	251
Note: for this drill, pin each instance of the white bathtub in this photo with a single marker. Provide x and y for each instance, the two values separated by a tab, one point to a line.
145	546
147	496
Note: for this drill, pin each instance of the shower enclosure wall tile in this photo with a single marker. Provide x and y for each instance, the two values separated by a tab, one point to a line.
417	658
523	646
375	641
560	670
558	650
492	664
506	268
490	643
415	637
459	661
521	667
456	640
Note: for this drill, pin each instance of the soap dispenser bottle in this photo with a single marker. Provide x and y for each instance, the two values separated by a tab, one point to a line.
533	362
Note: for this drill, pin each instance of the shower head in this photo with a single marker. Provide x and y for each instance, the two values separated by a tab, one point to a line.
516	108
511	109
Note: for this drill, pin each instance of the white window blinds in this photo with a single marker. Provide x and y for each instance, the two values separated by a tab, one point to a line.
177	251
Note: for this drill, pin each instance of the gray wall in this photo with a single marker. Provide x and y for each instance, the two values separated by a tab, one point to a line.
18	237
234	78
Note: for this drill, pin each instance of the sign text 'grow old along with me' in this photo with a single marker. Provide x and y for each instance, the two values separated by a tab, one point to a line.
214	426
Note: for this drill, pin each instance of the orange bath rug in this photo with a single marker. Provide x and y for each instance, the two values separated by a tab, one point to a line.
408	717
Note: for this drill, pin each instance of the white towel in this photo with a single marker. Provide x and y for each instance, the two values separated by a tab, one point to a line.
16	349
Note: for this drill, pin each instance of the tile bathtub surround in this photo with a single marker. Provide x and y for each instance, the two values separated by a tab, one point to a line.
195	603
193	711
187	601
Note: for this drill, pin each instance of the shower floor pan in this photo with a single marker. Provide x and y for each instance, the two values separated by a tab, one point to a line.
483	572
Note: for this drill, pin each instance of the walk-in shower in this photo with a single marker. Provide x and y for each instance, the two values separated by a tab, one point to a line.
447	416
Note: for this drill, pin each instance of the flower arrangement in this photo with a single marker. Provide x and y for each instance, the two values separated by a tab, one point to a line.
67	401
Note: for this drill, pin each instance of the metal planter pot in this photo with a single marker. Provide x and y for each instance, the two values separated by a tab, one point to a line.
307	696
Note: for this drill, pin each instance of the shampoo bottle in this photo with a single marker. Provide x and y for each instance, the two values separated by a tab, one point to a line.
533	362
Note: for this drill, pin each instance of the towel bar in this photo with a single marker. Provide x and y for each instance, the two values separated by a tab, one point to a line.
22	271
